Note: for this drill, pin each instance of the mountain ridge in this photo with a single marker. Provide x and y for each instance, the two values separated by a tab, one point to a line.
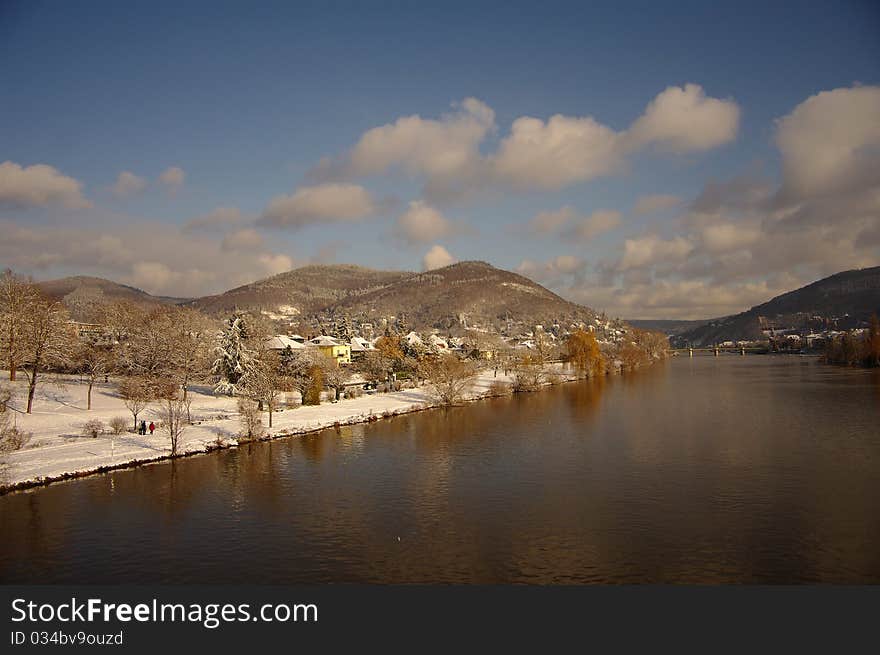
841	301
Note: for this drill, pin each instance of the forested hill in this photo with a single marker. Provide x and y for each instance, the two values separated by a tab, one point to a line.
843	300
473	291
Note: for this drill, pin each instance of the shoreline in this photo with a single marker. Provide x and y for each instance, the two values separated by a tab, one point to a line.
419	402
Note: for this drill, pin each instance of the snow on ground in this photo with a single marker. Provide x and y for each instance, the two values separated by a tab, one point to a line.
58	447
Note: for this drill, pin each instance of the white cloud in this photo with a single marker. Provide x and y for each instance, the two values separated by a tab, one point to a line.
554	154
37	186
684	119
246	239
319	204
127	184
273	264
418	146
421	223
830	143
652	249
437	257
549	221
725	237
597	223
173	178
745	241
536	154
655	203
553	272
153	256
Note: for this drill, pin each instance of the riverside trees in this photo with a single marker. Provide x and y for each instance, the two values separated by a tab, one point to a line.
582	351
449	377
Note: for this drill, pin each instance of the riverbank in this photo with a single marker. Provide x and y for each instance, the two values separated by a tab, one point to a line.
58	451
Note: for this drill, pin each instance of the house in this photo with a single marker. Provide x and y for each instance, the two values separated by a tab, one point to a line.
338	351
360	347
281	341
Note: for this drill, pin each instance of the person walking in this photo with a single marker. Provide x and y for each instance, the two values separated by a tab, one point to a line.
152	427
143	429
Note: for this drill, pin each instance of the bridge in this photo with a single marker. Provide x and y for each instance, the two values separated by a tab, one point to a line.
717	350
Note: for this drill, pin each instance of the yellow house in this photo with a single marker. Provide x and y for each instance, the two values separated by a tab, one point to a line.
340	352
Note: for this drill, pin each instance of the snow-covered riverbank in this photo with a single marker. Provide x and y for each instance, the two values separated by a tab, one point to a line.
58	450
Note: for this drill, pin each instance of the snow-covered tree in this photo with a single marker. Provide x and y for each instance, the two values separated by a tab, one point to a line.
342	329
235	359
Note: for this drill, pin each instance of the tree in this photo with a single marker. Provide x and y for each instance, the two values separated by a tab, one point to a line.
528	372
335	377
235	359
136	393
11	437
304	370
16	295
93	361
190	345
171	413
249	417
872	343
374	367
117	424
391	349
449	377
46	337
582	351
266	382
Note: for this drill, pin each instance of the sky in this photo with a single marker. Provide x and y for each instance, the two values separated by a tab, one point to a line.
650	160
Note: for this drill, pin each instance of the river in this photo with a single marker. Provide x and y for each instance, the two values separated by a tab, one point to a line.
757	469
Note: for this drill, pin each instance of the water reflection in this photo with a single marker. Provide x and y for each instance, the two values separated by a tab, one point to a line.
703	470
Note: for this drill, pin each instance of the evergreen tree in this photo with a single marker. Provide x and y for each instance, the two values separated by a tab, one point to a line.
235	361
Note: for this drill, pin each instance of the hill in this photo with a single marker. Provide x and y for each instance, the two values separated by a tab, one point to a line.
842	301
669	327
81	293
466	293
301	292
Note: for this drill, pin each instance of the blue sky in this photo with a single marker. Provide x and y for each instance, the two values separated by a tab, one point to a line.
246	98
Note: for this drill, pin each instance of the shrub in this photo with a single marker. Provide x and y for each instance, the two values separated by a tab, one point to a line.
499	388
13	438
251	423
93	428
118	424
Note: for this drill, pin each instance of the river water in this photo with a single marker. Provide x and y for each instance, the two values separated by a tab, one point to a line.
730	469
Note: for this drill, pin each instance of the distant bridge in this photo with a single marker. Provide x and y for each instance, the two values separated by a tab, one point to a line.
717	350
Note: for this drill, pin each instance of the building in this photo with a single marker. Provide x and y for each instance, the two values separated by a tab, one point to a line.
338	351
360	347
281	341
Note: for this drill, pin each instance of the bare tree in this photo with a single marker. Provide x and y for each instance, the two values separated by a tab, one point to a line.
93	428
11	437
266	383
335	377
528	372
449	377
136	393
305	371
117	424
16	295
171	415
93	360
47	338
249	416
192	340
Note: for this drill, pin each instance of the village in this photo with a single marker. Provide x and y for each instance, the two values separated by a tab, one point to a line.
149	383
